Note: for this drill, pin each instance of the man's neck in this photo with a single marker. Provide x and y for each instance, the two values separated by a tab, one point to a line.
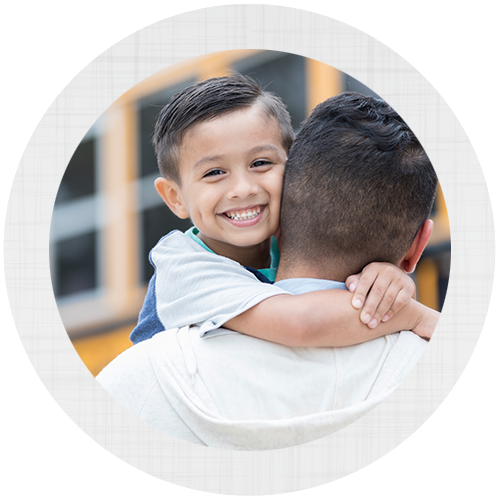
326	272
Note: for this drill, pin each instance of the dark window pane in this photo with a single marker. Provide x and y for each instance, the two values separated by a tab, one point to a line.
285	76
79	177
148	163
149	108
156	223
76	265
350	83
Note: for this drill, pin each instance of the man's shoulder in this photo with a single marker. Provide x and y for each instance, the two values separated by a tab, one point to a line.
131	367
131	378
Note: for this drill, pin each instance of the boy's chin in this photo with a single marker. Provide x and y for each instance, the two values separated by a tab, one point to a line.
248	242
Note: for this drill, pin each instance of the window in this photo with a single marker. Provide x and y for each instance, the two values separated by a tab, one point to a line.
74	250
79	179
283	74
76	265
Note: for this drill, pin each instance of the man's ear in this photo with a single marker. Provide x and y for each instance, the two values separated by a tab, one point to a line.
170	193
417	247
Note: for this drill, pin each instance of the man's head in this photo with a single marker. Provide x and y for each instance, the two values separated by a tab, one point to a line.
358	188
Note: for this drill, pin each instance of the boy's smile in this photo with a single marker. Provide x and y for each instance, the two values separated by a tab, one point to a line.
231	174
246	216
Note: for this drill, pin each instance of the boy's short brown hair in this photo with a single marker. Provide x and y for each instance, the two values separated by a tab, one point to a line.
205	101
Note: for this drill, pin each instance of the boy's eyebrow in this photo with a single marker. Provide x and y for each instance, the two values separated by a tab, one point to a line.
263	147
208	159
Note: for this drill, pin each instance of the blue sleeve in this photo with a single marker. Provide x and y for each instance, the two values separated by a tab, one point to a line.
149	323
258	275
192	286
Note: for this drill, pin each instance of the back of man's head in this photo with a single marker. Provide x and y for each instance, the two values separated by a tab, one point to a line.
358	186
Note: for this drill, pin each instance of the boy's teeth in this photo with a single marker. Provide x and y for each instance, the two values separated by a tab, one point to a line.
249	214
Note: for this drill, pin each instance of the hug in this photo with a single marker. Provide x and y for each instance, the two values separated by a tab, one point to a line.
286	312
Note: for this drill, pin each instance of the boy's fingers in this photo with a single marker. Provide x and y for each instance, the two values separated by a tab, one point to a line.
400	301
352	282
380	293
374	308
363	286
392	299
395	299
387	316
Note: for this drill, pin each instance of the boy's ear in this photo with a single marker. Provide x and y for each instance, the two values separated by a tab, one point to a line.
413	255
170	193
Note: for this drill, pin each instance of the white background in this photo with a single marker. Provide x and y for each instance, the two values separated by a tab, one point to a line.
66	437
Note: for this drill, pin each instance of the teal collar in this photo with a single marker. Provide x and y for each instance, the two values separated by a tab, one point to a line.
269	272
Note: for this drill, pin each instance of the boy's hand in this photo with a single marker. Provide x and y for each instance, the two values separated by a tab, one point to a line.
381	289
426	322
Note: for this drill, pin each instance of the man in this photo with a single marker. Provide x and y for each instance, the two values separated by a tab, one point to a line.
358	188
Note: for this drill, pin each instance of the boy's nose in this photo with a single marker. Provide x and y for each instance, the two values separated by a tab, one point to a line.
243	186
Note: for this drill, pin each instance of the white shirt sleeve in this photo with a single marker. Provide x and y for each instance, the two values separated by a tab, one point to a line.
197	287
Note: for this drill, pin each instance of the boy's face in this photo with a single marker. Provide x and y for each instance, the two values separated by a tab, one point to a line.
231	172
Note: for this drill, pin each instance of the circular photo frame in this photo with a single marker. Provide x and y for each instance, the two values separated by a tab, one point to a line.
109	222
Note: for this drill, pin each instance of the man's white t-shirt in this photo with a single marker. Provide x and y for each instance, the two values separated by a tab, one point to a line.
238	392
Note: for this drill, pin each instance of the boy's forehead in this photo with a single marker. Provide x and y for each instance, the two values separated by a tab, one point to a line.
237	122
255	112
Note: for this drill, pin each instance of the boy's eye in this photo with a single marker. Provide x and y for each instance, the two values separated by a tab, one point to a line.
213	173
261	163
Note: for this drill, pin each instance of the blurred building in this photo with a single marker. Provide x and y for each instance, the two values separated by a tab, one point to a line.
108	216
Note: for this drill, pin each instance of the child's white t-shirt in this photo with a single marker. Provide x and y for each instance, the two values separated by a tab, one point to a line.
194	286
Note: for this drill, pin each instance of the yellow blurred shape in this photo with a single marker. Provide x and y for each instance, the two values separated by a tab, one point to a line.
427	283
323	82
98	350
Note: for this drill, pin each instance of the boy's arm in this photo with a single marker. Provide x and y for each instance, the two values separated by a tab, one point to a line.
194	286
325	318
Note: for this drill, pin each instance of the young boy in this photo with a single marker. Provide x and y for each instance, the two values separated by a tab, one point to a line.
222	146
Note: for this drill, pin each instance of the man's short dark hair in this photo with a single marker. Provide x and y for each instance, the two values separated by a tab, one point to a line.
207	100
358	186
